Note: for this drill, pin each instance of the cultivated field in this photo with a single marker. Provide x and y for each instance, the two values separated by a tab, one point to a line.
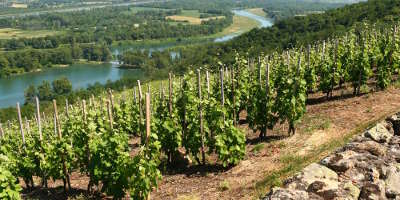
10	33
191	16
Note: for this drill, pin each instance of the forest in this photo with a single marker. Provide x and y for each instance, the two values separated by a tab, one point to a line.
286	33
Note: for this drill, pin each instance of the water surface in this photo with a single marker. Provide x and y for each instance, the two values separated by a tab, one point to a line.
81	76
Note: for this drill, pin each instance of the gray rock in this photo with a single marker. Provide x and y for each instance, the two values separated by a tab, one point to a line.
371	147
393	181
379	133
373	191
316	179
280	193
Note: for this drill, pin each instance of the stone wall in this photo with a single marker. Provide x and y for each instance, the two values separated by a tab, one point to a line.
366	168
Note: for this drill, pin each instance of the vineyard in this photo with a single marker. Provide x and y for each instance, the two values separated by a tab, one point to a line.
195	116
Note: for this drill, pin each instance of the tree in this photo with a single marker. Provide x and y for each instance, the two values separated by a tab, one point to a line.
62	86
30	94
45	92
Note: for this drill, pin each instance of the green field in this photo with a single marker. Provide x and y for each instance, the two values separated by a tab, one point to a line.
10	33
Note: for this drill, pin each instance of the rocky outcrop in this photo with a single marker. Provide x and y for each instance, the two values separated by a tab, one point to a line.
368	168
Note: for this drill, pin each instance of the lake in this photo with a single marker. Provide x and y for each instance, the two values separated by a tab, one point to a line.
81	75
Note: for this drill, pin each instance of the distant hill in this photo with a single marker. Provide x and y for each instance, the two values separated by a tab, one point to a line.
302	30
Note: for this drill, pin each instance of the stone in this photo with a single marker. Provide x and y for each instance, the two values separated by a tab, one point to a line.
289	194
373	191
379	133
340	162
316	179
393	182
369	146
352	192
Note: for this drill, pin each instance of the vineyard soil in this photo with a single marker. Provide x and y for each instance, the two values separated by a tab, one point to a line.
323	129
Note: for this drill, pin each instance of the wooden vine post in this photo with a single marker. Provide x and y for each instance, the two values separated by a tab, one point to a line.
21	126
208	84
148	115
29	182
67	108
39	124
1	131
334	68
170	86
111	99
203	154
109	112
233	96
221	76
140	109
267	88
28	126
134	96
58	127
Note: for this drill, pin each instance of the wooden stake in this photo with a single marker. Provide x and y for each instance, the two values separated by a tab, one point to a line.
323	50
170	93
55	124
84	110
21	126
148	115
39	123
110	118
65	170
28	127
208	83
140	109
1	131
267	78
233	95
134	95
201	117
44	116
93	100
221	76
222	91
66	108
111	99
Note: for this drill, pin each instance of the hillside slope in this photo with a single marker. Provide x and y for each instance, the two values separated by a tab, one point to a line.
302	30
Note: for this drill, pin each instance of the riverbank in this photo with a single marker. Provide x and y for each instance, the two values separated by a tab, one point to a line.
240	25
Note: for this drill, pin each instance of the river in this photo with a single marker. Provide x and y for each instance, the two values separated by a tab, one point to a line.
262	22
82	75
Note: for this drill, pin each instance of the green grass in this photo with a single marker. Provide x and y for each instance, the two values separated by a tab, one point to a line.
134	10
314	123
224	186
10	33
257	148
190	13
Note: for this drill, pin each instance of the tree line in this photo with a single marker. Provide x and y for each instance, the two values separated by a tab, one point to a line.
19	61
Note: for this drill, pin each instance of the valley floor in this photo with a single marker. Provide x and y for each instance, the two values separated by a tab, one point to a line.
326	126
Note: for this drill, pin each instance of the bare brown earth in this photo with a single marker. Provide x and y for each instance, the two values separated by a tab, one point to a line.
324	127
